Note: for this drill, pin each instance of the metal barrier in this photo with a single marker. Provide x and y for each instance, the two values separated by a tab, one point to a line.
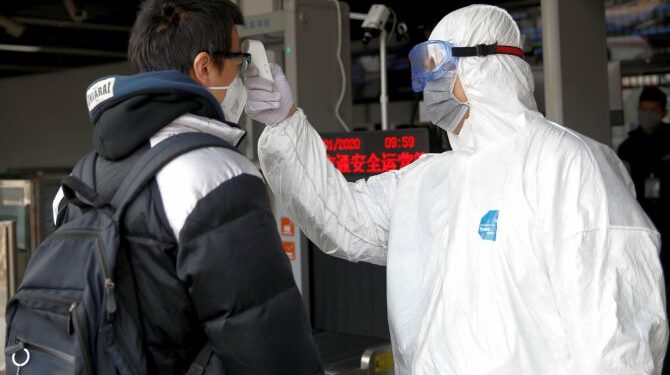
378	360
8	276
345	354
27	201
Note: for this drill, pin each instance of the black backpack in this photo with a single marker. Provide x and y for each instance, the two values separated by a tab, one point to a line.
70	315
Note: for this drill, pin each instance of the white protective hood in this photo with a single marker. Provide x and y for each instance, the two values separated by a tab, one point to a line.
523	251
499	87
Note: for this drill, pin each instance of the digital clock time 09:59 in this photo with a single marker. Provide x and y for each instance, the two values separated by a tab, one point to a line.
399	142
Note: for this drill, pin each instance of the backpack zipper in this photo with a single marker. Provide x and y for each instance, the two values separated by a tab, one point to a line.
22	343
45	297
110	298
67	303
72	321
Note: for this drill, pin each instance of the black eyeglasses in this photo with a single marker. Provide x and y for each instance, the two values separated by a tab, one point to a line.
243	56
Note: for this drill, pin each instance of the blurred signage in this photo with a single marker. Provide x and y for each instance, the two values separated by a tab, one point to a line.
287	227
289	249
363	154
644	80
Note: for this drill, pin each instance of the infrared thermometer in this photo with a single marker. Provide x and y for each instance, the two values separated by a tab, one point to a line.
258	57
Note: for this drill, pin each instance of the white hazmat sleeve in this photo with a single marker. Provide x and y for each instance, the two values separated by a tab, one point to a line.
604	266
347	220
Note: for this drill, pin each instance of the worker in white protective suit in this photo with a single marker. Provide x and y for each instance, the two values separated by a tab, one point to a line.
522	251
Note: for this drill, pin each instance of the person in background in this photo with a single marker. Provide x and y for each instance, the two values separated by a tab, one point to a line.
646	154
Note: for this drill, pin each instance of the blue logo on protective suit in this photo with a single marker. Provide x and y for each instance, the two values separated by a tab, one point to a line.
488	227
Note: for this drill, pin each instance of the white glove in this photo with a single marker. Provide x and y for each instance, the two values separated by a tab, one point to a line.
267	103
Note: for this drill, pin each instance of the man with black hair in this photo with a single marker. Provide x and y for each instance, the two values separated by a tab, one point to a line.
646	154
647	146
201	239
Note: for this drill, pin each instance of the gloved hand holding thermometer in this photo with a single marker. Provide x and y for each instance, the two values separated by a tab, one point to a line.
269	98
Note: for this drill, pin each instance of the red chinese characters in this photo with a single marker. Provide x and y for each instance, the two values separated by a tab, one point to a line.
342	163
372	163
389	161
358	163
369	153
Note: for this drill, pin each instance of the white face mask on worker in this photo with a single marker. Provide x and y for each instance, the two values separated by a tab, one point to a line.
234	101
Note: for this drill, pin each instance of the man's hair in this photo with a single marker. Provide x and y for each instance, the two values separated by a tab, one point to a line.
654	94
168	34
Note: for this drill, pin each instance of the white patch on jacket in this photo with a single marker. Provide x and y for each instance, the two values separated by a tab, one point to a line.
190	177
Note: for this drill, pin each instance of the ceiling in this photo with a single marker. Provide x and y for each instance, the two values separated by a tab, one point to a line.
38	36
47	38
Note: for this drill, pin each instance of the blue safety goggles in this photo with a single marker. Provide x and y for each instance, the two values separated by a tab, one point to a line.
432	59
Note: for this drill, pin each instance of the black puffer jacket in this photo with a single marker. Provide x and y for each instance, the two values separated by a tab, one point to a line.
202	241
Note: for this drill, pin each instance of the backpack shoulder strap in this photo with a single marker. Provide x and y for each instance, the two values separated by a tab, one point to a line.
201	360
154	160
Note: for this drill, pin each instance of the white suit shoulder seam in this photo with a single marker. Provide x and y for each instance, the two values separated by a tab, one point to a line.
613	227
594	163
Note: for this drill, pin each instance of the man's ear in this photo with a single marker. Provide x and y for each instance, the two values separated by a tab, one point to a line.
201	69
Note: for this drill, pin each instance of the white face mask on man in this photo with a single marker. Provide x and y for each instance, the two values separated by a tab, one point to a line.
234	101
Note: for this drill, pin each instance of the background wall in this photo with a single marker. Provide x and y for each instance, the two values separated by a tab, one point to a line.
43	118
